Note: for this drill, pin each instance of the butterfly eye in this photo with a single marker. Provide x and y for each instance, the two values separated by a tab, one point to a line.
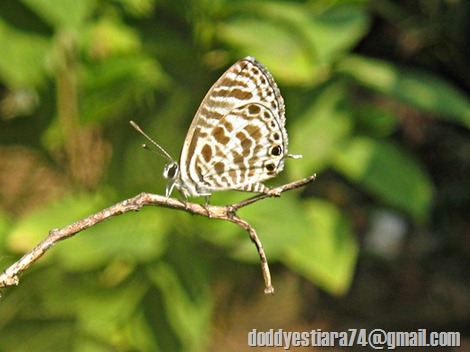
171	171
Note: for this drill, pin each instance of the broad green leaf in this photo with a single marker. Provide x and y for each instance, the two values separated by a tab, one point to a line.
82	309
138	8
136	237
312	239
318	131
257	38
49	335
276	221
326	252
64	13
35	226
256	27
23	57
373	119
132	238
419	89
109	36
189	316
20	17
117	307
337	30
5	224
117	85
306	38
387	172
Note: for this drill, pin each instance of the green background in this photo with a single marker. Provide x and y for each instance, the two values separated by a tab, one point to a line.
377	102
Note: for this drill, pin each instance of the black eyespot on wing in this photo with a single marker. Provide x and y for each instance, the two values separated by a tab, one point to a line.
276	150
270	167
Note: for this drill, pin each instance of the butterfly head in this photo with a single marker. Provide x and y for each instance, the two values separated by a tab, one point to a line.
172	170
171	173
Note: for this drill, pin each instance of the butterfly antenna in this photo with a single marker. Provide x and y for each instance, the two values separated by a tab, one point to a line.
145	146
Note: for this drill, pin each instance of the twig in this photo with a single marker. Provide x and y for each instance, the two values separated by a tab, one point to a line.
11	275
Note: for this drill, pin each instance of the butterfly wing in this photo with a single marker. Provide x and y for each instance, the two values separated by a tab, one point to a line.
255	151
237	138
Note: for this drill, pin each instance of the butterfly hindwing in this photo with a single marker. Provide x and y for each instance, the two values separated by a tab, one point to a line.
254	149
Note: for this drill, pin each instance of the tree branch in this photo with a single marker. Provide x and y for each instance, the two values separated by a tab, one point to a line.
11	275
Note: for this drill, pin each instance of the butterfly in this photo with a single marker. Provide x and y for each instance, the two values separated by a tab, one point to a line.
237	138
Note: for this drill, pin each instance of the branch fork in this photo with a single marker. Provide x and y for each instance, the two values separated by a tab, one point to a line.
11	275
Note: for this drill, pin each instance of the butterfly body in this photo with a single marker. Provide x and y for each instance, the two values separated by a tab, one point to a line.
237	138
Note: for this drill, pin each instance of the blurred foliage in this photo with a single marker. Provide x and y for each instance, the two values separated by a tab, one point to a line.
73	73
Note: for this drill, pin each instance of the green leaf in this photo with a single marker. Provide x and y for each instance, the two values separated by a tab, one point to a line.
373	119
23	58
34	227
115	86
312	239
109	36
5	224
118	309
306	39
135	237
318	131
327	251
419	89
64	13
17	15
337	30
257	38
388	173
190	317
83	311
51	336
276	221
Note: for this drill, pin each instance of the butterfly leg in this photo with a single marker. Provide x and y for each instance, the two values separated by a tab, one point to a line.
206	205
184	202
273	192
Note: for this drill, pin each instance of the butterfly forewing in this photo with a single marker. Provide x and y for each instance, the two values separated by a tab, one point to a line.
237	138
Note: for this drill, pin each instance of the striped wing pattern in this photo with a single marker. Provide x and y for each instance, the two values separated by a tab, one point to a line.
237	138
